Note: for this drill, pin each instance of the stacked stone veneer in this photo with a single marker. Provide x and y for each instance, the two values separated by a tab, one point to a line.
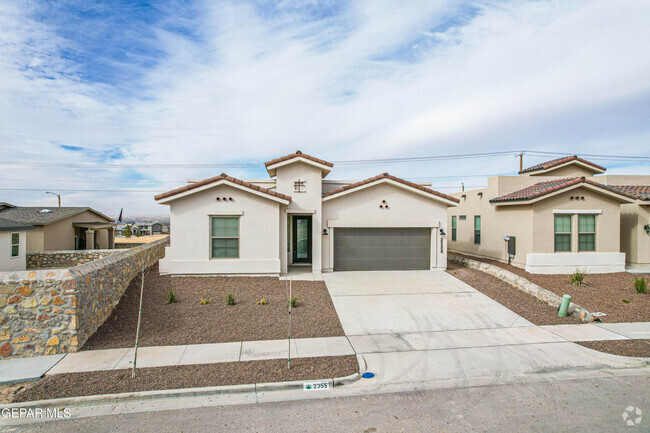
44	312
126	245
523	284
64	259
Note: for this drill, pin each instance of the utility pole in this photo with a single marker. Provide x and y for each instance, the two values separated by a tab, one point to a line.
462	186
521	161
57	195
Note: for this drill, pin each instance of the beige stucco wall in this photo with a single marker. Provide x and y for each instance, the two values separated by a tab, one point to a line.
310	202
8	263
405	209
635	241
36	239
495	224
607	222
190	245
59	236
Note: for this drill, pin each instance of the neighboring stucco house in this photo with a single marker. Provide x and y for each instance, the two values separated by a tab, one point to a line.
635	217
62	228
552	218
13	240
224	225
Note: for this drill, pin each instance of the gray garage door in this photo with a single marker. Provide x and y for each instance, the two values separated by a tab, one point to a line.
371	249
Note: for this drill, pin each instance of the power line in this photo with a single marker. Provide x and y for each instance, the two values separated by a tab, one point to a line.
341	162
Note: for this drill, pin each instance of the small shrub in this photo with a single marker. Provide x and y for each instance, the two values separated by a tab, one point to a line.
293	302
172	297
231	299
262	302
625	301
204	301
577	278
640	285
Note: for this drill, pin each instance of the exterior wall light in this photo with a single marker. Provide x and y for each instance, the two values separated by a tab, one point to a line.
442	233
647	228
324	232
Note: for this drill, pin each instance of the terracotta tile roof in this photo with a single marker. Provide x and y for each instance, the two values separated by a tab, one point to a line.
298	154
555	162
396	179
640	192
544	188
225	177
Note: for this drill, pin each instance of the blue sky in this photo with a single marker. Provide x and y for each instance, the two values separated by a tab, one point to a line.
130	84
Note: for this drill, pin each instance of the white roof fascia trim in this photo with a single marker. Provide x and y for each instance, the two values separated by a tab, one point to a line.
577	211
221	182
578	185
394	183
277	165
564	164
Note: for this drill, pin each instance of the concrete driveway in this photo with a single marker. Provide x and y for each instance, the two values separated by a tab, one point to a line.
429	328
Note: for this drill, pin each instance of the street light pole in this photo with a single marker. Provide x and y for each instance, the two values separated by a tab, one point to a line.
57	195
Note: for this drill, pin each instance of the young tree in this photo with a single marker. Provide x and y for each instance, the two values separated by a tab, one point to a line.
127	231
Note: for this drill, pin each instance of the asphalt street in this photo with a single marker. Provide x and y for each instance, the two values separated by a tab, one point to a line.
568	405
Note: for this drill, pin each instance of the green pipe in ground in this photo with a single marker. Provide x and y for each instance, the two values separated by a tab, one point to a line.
564	306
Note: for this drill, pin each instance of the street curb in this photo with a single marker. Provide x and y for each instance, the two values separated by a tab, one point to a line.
524	285
134	397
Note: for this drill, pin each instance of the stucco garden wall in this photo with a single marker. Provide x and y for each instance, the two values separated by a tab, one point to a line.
57	310
64	259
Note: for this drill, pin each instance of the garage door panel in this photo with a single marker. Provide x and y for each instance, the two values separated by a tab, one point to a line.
381	249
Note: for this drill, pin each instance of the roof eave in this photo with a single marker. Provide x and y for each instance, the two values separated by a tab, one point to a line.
272	169
167	200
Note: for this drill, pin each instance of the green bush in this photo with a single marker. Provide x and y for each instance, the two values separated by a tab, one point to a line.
231	299
293	302
172	297
577	278
640	285
127	232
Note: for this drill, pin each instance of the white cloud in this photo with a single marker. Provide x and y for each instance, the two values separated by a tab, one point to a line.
378	79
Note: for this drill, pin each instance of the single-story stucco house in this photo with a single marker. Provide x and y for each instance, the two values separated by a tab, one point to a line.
13	240
224	225
554	217
62	228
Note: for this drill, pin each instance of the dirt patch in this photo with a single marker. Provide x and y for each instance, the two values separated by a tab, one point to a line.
7	392
602	293
637	348
190	322
527	306
187	376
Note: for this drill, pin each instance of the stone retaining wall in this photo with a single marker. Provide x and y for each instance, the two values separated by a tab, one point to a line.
44	312
64	259
523	284
127	245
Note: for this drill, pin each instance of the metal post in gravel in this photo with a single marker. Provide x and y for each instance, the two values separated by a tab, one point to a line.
137	332
289	359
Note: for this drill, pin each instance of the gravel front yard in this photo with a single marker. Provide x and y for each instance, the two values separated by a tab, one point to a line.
190	322
186	376
602	293
639	348
527	306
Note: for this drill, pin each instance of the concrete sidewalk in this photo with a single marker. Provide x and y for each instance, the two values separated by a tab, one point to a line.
27	369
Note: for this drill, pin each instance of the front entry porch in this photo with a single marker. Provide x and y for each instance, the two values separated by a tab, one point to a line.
94	236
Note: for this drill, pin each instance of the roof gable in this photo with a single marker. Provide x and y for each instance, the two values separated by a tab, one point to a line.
554	164
542	190
274	164
42	216
387	178
218	180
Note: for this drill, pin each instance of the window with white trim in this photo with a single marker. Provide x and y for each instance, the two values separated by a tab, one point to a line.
15	244
225	237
